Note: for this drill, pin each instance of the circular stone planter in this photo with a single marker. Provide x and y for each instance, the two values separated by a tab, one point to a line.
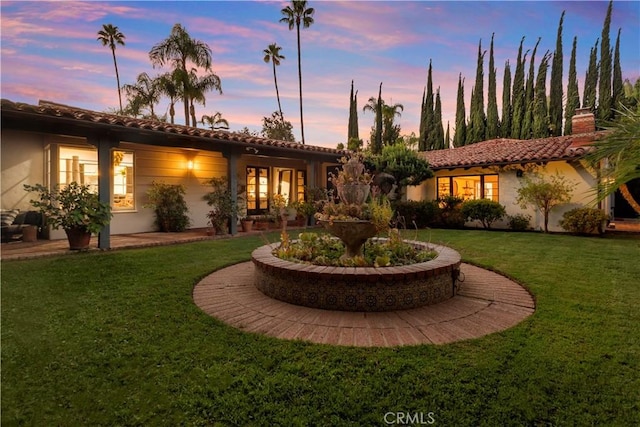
358	288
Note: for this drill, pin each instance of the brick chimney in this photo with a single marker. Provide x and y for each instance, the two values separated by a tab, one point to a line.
583	121
583	126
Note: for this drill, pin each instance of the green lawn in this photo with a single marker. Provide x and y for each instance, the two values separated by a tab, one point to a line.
115	339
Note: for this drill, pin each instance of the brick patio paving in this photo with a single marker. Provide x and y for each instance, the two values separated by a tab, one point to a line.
486	303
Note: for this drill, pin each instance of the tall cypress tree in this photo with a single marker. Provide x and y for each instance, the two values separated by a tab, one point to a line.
493	126
540	127
507	112
447	137
470	133
478	121
422	137
591	81
460	137
517	102
527	121
573	98
438	138
555	86
618	84
604	85
376	146
429	125
353	132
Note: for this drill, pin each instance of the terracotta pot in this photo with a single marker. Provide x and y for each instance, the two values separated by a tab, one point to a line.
247	225
78	238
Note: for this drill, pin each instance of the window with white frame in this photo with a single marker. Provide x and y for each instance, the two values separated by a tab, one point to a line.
123	180
78	165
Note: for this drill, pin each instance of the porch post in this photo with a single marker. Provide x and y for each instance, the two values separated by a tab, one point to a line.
104	143
312	182
232	178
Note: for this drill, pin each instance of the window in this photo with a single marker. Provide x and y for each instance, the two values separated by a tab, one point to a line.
301	184
469	187
257	190
78	165
123	188
81	165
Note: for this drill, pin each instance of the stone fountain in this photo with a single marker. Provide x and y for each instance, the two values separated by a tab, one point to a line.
356	288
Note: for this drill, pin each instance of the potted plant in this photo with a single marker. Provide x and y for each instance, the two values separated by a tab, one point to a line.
304	210
279	209
169	205
247	224
222	207
75	209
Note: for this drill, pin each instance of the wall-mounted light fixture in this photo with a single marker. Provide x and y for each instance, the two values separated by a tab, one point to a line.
190	165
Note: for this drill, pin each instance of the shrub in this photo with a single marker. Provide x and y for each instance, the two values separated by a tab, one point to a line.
584	220
519	222
169	205
422	213
484	210
450	214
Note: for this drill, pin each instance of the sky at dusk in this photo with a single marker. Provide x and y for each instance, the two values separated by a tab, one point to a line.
50	52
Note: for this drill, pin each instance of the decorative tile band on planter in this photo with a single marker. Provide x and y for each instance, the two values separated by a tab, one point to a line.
358	288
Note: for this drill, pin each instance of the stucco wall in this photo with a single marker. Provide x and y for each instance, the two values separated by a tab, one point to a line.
22	163
509	183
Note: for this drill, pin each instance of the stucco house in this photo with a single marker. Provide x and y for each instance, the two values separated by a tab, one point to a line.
494	169
121	156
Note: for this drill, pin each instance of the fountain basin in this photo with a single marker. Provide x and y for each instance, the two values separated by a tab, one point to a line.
358	288
353	234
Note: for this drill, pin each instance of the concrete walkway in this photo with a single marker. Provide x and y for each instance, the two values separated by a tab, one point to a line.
487	303
26	250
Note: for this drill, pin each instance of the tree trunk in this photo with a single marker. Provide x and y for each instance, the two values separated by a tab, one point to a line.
275	80
115	64
624	190
300	83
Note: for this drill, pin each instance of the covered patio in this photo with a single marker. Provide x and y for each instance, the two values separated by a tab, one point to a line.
26	250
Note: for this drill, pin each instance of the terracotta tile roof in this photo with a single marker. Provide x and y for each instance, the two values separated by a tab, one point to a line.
50	109
511	151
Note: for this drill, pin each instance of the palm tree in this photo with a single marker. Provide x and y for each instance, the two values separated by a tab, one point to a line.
169	84
294	15
272	53
110	35
144	93
390	131
177	49
196	89
215	121
619	151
